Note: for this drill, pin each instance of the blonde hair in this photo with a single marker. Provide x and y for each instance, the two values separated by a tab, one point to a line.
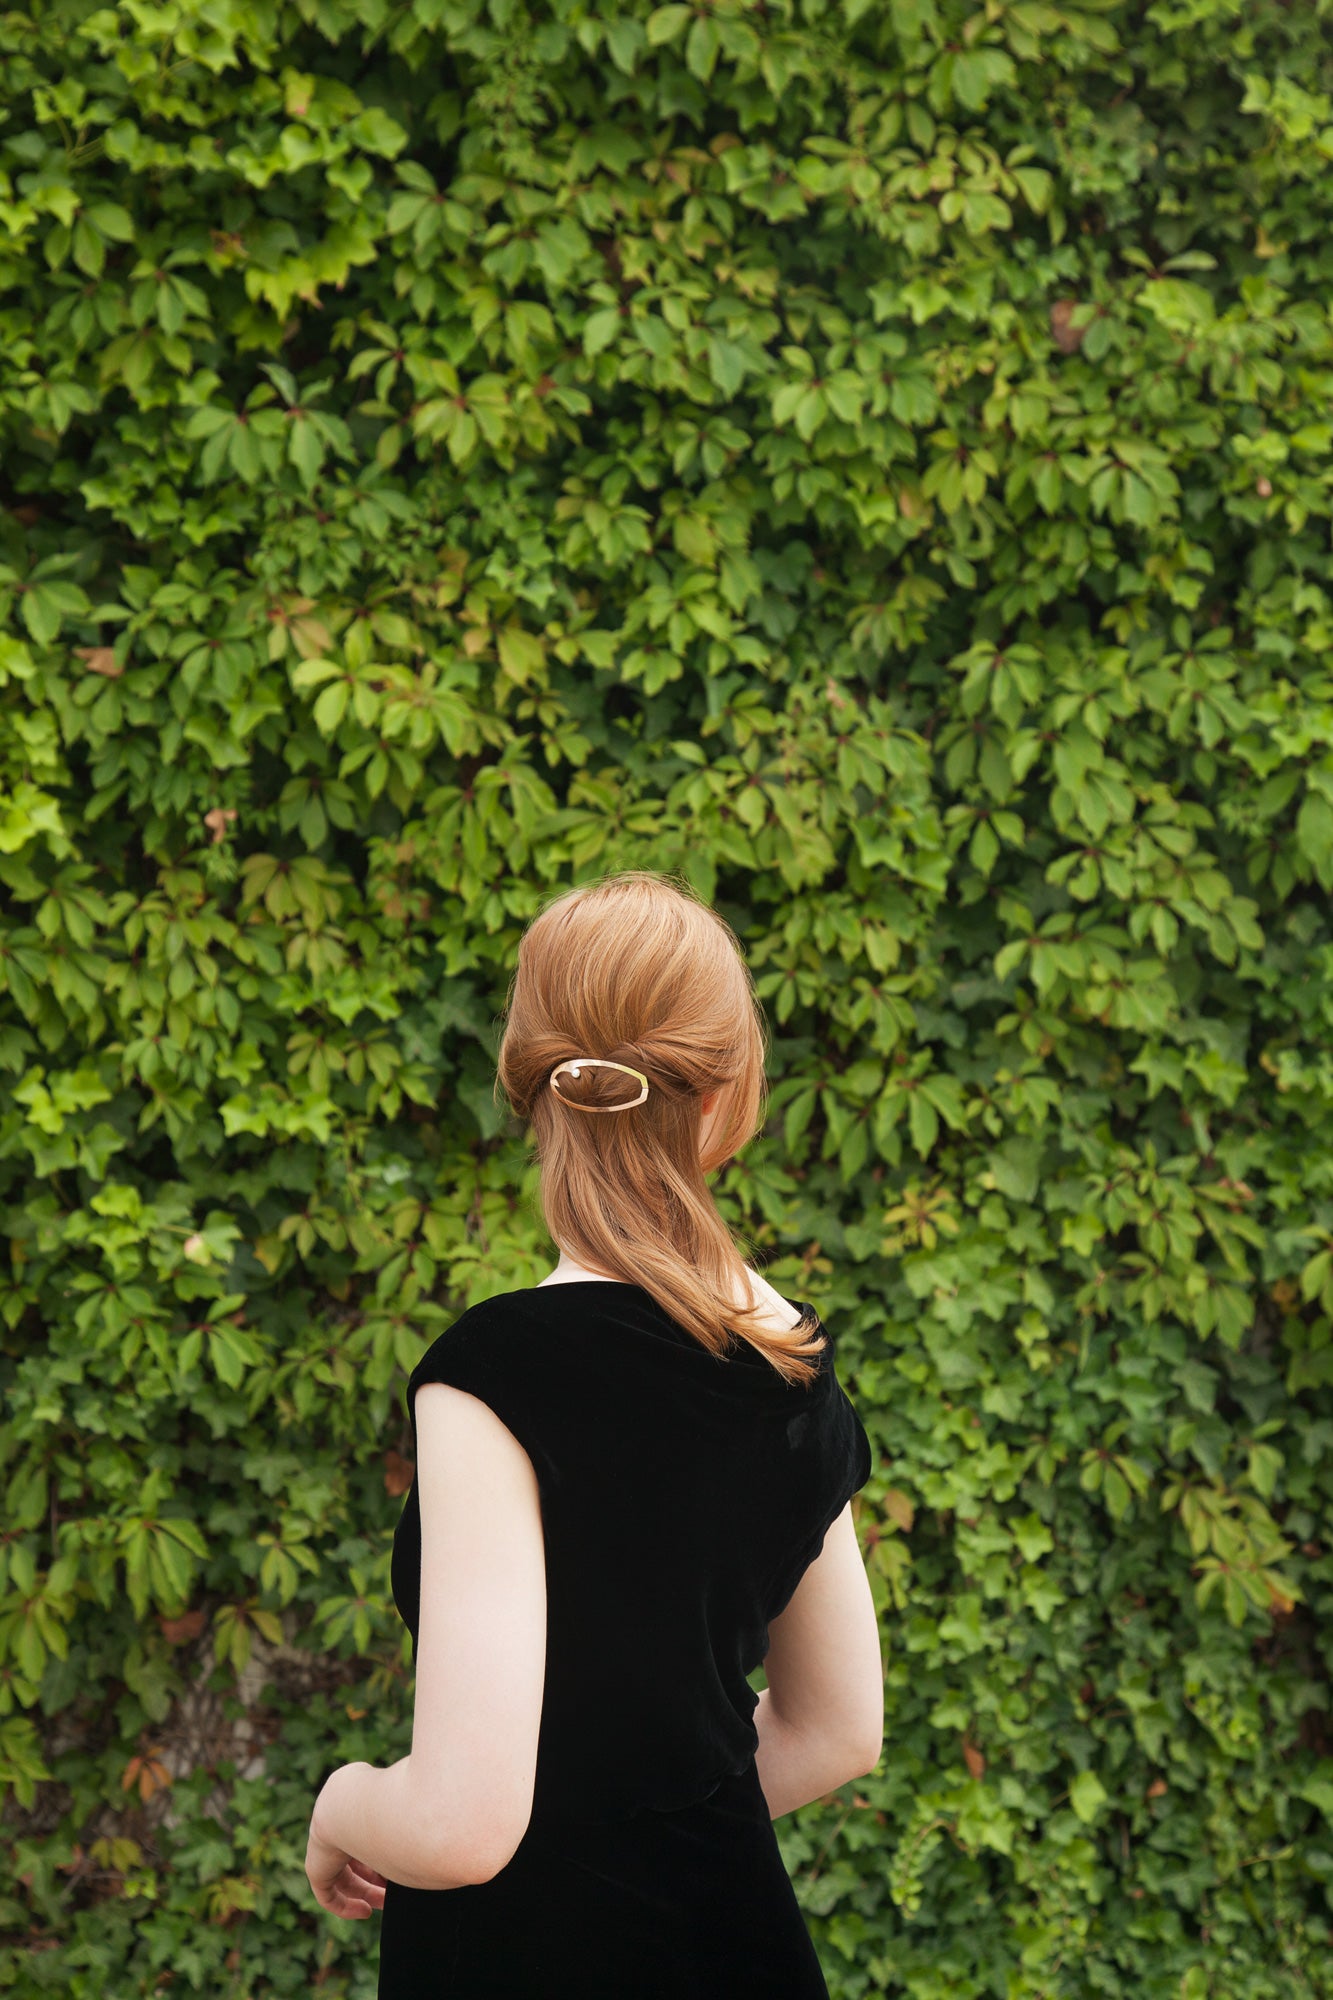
635	969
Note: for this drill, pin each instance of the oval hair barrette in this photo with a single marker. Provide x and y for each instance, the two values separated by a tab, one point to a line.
575	1063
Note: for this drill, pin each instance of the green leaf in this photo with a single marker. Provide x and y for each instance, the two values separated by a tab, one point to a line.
600	329
1178	303
626	40
666	24
702	46
522	654
1087	1795
727	365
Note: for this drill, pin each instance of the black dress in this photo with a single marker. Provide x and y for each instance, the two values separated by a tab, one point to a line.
683	1496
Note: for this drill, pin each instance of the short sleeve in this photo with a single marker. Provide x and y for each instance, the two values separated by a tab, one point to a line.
487	1355
847	1465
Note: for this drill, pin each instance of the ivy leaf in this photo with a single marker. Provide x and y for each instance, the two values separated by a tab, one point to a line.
1087	1795
665	24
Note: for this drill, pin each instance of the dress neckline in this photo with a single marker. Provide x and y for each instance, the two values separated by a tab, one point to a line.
633	1305
805	1311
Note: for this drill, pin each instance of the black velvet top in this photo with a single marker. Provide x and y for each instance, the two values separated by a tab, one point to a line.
683	1495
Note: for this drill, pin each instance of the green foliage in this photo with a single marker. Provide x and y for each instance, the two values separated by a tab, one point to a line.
874	458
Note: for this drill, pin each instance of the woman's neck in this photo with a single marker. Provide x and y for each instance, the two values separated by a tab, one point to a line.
569	1271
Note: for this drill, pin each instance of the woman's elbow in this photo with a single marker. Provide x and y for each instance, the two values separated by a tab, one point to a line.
490	1862
871	1752
477	1854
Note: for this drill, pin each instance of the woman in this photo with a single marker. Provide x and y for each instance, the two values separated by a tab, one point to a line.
632	1485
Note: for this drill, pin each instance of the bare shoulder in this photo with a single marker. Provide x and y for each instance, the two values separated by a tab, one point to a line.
782	1314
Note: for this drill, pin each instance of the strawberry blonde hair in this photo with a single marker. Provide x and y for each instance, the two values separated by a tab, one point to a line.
635	969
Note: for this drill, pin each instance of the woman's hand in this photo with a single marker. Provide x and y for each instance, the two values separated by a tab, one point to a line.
343	1886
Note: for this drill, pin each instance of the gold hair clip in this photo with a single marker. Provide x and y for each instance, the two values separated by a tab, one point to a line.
575	1063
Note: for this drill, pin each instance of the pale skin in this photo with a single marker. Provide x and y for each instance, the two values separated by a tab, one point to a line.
454	1810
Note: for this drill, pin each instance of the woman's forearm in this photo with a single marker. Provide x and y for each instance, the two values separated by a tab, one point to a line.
377	1814
796	1766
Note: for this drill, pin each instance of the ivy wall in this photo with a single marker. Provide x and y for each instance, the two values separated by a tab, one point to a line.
872	456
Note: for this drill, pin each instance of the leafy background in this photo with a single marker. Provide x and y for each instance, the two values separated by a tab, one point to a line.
874	458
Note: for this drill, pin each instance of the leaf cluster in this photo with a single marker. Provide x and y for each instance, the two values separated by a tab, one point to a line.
873	458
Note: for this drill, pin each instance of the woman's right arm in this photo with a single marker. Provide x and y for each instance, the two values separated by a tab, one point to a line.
821	1717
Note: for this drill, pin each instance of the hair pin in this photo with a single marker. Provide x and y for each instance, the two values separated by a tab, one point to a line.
575	1063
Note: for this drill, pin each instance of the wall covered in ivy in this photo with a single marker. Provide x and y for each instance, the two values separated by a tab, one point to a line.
872	456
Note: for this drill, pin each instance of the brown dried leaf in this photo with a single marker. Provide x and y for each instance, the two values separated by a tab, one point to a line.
101	660
148	1772
397	1473
1066	337
179	1631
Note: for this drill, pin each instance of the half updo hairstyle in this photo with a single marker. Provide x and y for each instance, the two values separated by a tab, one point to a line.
637	970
